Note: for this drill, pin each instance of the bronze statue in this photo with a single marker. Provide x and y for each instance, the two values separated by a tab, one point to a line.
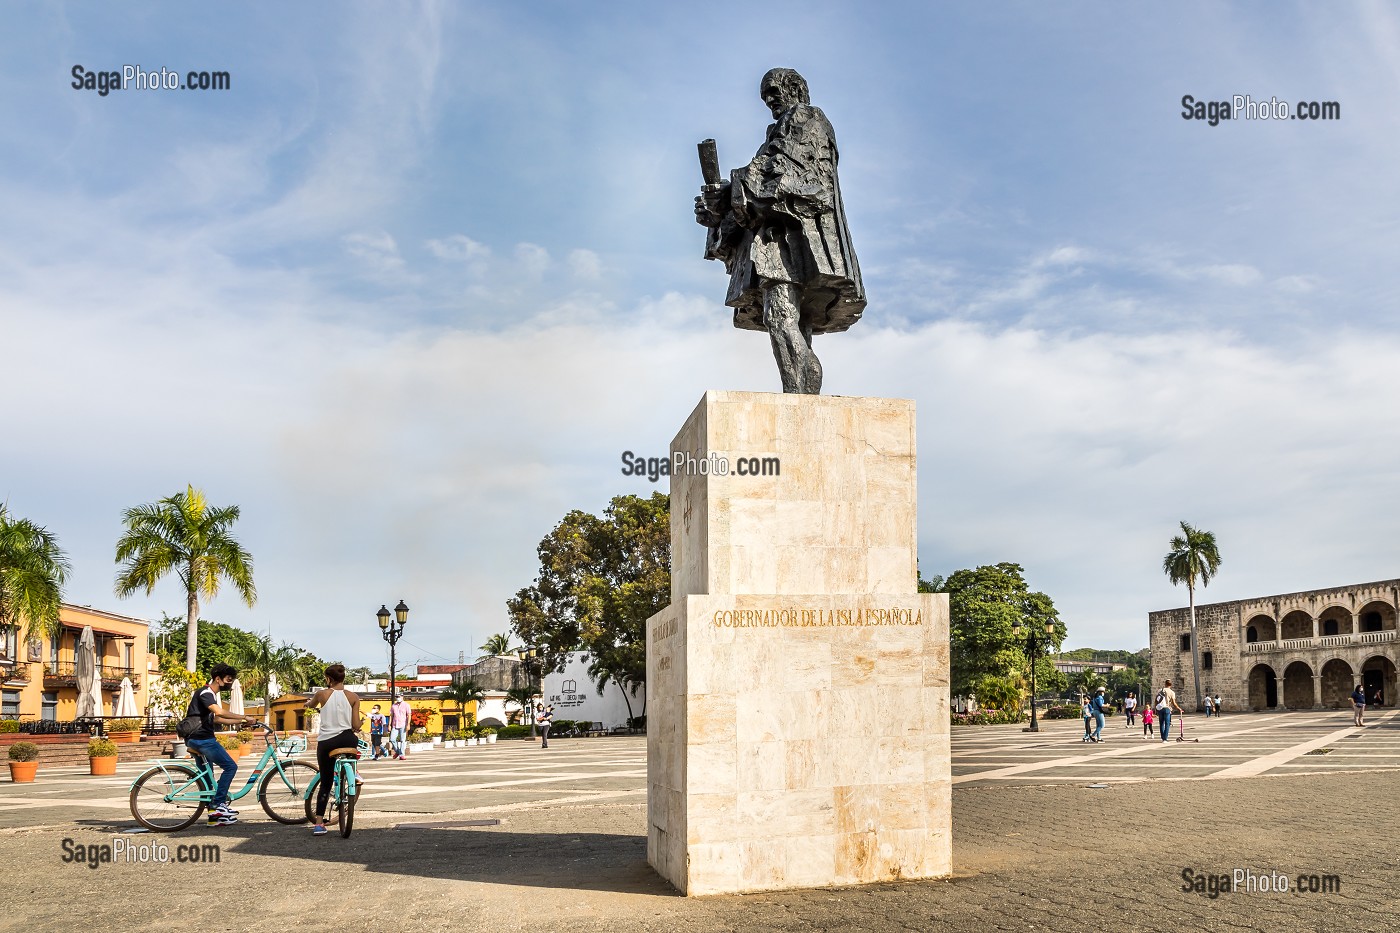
779	227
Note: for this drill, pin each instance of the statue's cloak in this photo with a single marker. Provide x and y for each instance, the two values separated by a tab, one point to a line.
793	229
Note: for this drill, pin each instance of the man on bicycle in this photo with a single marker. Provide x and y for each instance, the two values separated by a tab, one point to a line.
205	704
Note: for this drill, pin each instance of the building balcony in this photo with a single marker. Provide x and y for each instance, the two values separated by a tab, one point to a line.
65	674
1322	641
14	673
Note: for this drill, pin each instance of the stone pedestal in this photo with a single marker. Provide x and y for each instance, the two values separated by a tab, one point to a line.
797	685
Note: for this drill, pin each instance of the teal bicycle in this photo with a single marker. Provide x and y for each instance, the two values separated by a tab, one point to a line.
173	795
345	789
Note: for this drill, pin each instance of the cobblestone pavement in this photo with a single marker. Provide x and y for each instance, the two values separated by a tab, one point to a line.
1033	850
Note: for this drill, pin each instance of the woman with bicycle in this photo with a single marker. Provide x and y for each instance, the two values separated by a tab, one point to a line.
340	717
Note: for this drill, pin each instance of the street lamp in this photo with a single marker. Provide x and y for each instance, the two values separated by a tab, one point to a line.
530	656
1034	647
391	632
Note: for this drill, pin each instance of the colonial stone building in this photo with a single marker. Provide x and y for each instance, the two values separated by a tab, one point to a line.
1295	651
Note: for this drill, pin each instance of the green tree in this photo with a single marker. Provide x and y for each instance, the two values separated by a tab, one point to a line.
1193	556
215	643
525	697
33	570
983	605
463	692
184	535
600	580
497	645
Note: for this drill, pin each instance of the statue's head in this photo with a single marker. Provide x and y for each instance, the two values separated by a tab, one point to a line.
782	89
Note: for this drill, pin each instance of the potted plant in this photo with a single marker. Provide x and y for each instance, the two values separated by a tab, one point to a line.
489	734
436	740
24	761
102	756
231	744
455	738
245	739
124	731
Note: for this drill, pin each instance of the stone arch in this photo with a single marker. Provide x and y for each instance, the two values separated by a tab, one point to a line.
1264	629
1337	684
1378	673
1335	620
1297	624
1263	687
1298	686
1376	616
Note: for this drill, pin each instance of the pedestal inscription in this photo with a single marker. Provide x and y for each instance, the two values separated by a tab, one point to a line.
798	735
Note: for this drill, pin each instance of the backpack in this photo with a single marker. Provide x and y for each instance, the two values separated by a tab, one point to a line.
188	727
1162	699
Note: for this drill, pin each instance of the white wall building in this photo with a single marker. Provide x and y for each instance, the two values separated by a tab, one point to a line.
574	695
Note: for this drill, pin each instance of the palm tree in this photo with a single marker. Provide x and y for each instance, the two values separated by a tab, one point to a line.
183	534
259	660
525	696
497	645
33	569
1193	556
463	692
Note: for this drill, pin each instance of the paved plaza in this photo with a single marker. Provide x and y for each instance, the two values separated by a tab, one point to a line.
1049	834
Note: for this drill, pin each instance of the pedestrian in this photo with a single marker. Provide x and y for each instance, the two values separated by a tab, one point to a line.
1130	708
1217	706
1087	712
400	714
376	732
1146	721
544	715
1378	699
1358	705
1166	705
1097	707
1210	706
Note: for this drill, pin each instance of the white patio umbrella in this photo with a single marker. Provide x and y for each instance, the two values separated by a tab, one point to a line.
89	679
273	692
235	700
126	702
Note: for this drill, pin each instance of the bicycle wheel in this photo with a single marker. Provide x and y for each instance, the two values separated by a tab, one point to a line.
152	809
283	794
346	814
312	787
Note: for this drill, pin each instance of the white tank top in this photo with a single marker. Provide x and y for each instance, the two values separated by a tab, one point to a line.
335	715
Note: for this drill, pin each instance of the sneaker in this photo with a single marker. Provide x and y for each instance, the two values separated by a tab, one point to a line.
225	810
318	830
222	819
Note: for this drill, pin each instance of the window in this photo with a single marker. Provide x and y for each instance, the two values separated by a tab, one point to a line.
49	704
1207	660
9	704
1371	622
1329	627
126	655
1186	642
1251	634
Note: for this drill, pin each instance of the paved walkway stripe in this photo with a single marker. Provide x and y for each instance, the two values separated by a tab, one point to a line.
1264	763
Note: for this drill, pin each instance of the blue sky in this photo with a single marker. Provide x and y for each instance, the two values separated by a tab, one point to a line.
406	291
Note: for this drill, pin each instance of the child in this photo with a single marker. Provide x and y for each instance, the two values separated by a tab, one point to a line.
1147	720
1088	715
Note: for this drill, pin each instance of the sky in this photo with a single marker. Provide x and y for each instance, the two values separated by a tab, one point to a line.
407	289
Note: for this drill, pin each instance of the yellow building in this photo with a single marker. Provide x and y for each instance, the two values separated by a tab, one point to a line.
288	712
40	674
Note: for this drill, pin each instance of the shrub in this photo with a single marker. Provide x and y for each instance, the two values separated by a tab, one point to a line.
419	718
1061	712
484	731
562	726
125	725
99	747
512	732
229	741
245	736
988	717
24	751
9	725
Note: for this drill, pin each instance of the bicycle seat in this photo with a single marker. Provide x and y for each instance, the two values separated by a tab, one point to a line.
346	751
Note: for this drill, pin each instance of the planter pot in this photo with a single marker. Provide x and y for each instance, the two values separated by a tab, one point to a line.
177	749
491	739
458	743
437	741
22	772
104	765
240	751
124	738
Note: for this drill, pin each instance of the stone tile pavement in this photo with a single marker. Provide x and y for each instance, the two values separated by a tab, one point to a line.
1034	849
